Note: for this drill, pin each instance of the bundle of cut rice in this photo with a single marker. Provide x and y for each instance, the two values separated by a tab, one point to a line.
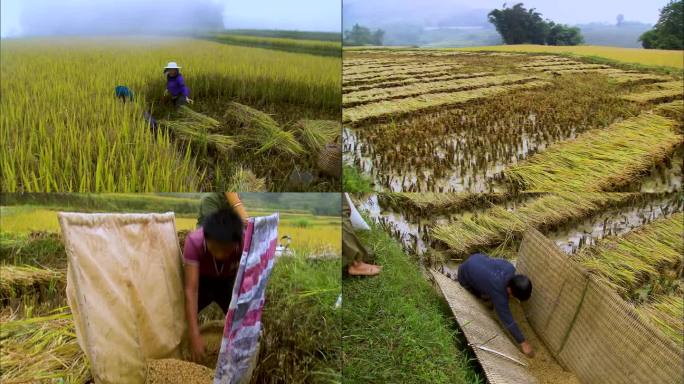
261	131
200	130
316	133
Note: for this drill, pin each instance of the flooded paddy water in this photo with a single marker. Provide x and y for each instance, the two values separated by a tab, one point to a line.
413	230
465	145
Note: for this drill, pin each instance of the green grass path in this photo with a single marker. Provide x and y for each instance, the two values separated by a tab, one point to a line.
396	327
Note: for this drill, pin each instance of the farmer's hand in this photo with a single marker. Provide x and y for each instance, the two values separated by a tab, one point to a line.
197	347
189	100
166	92
527	348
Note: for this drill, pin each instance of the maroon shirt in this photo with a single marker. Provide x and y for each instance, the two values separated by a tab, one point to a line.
195	252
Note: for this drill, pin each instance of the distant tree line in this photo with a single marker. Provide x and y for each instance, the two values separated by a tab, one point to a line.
359	35
518	25
668	33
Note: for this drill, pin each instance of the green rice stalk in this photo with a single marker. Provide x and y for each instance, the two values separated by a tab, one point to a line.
41	349
245	180
197	136
665	313
432	202
674	110
624	78
15	279
200	131
474	231
315	134
189	115
425	88
407	105
599	159
385	83
409	70
261	131
640	258
666	91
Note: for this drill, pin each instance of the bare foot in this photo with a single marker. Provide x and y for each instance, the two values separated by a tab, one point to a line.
359	268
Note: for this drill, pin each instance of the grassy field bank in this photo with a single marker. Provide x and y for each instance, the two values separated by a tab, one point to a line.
396	328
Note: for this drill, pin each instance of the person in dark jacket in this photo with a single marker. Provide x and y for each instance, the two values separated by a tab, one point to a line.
123	93
496	280
175	85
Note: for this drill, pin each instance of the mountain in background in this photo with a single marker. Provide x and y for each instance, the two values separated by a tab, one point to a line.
624	35
444	23
425	23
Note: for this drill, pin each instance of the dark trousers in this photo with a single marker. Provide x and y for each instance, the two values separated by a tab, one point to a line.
214	289
179	100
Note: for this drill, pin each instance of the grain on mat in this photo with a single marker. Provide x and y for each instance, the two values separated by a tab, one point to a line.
543	365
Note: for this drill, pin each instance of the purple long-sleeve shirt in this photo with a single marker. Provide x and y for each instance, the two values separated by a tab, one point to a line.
489	277
176	86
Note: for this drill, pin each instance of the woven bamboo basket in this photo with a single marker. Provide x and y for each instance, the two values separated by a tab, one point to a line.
330	159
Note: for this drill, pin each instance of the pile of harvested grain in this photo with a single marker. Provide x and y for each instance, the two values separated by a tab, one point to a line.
543	365
169	371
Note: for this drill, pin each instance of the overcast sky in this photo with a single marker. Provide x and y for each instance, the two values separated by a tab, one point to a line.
48	16
563	11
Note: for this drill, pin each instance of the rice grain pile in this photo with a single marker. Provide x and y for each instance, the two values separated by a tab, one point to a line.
170	371
543	365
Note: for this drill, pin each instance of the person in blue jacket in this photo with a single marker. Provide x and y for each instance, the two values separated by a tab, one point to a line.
495	279
175	85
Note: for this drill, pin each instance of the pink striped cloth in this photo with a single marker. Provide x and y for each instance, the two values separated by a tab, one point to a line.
243	320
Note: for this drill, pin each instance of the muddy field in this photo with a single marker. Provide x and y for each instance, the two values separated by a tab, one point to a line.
446	121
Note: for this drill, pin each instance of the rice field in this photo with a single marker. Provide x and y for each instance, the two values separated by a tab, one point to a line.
651	57
37	336
64	130
290	44
444	120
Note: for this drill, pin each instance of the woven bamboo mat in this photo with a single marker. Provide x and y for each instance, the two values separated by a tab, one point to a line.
480	328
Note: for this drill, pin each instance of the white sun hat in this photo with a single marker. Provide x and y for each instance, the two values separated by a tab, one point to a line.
172	65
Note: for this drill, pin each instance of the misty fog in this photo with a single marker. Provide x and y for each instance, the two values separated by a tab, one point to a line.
453	23
115	17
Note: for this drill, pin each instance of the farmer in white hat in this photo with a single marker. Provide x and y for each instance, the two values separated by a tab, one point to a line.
176	89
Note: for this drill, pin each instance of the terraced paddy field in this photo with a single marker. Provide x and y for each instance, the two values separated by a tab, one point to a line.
419	120
631	241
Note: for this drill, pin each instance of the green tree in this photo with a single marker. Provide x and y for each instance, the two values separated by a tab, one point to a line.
360	35
378	35
518	25
668	33
561	34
